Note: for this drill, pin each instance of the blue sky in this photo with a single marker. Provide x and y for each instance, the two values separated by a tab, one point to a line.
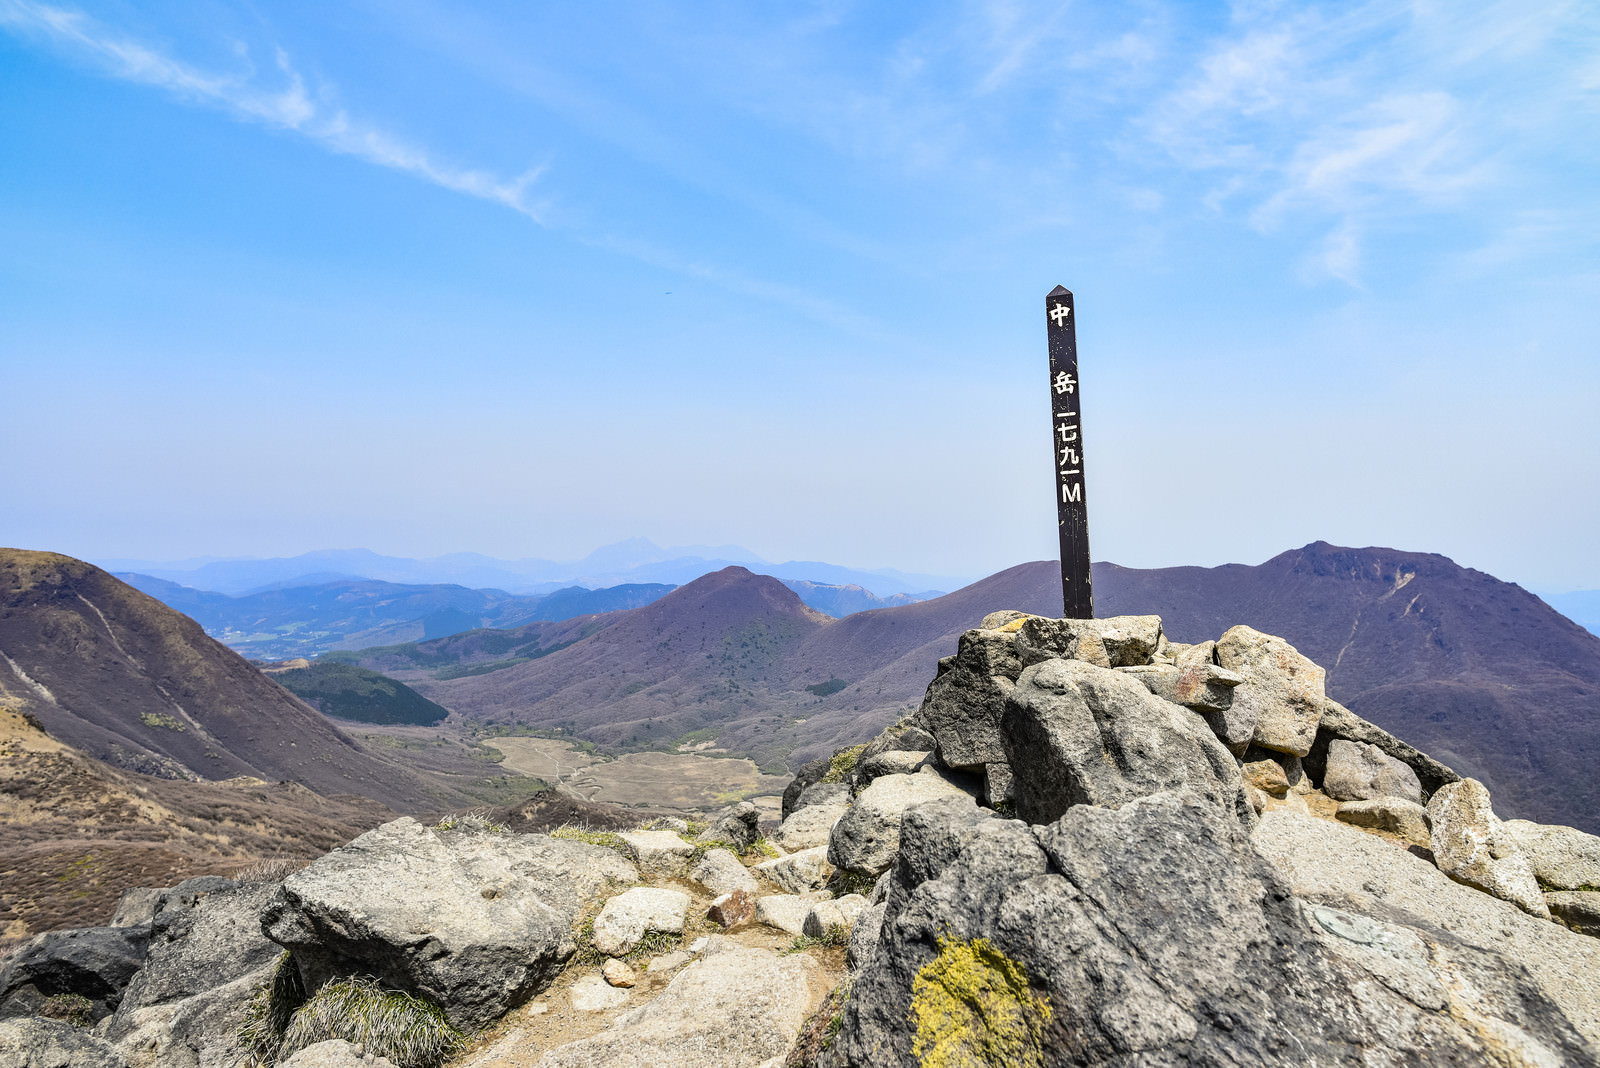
526	279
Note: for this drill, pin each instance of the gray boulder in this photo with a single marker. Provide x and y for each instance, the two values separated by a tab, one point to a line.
788	912
207	958
1471	845
1395	815
903	737
732	1009
894	762
199	1031
1079	734
808	775
632	914
798	872
1202	687
1120	641
206	933
738	827
864	936
1326	863
1232	969
999	784
335	1053
137	906
96	963
1357	771
810	825
1562	858
33	1042
826	916
1279	704
822	793
962	706
474	922
1577	909
867	837
1339	722
721	872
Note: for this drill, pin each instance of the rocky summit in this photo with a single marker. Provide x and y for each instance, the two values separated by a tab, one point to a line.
1090	845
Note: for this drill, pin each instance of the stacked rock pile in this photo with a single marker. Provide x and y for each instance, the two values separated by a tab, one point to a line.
1174	803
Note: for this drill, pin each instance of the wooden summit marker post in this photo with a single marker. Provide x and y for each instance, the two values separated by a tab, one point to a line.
1066	425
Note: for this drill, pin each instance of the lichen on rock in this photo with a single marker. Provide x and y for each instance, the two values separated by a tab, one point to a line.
973	1005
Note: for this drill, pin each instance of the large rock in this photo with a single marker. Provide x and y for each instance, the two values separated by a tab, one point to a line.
962	706
474	922
734	1009
207	958
1339	722
893	762
1329	864
32	1042
1119	641
808	775
206	932
1472	846
1577	909
662	854
787	912
721	872
1562	858
903	737
198	1031
822	793
827	916
634	913
1154	934
335	1053
1395	815
1279	704
1202	687
867	837
1078	734
864	936
739	827
799	872
1358	771
812	820
96	963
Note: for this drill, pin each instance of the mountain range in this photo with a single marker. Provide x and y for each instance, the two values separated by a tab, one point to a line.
285	621
634	561
1479	672
116	674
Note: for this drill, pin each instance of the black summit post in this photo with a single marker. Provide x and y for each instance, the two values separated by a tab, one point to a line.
1066	431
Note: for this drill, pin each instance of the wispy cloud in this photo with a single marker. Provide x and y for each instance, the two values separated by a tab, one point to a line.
1363	113
286	105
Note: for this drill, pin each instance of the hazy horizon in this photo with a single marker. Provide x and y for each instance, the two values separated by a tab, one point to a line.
431	279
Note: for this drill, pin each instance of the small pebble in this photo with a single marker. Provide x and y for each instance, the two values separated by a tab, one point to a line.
538	1008
619	974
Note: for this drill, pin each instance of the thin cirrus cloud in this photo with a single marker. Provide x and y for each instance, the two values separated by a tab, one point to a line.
288	106
1371	111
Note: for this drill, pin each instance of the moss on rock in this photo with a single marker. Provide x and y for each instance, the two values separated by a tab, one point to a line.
972	1005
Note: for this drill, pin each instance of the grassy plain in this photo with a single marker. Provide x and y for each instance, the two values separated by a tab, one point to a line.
663	780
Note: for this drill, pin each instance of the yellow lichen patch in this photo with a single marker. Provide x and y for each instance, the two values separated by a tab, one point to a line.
971	1005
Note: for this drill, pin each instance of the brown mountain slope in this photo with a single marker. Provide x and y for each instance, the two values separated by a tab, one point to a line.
1472	669
127	680
706	654
78	832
